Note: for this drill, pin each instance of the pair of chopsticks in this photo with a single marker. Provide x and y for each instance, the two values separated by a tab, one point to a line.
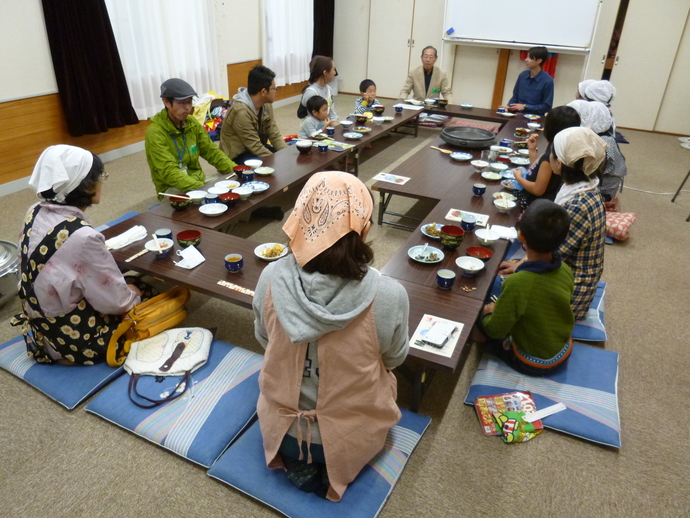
175	195
446	151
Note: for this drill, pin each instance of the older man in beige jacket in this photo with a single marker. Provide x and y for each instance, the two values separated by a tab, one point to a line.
427	81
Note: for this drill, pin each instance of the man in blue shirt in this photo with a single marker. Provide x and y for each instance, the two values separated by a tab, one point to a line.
533	92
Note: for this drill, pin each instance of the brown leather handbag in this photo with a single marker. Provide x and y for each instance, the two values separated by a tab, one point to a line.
146	320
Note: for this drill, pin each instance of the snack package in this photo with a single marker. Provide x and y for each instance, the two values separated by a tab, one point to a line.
513	428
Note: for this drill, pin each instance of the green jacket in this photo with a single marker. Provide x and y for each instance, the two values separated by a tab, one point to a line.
243	130
162	155
534	308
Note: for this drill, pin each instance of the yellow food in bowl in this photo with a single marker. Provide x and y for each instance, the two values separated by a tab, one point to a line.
273	251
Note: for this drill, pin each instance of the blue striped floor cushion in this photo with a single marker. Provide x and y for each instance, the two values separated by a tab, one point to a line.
69	385
199	425
243	466
587	385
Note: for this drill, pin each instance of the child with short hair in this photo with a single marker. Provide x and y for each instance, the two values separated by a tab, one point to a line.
317	118
368	90
533	312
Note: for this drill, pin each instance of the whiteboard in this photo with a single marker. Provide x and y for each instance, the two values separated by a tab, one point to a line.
553	23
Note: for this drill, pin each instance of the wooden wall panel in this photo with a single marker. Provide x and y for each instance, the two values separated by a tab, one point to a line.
28	126
237	77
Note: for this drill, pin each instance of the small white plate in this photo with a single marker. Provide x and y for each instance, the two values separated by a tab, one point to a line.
361	129
213	209
518	160
488	175
533	125
258	251
430	251
229	184
387	118
352	135
505	196
218	190
532	116
257	186
504	149
414	101
466	105
510	184
460	156
264	171
425	230
523	152
499	167
506	114
197	196
685	145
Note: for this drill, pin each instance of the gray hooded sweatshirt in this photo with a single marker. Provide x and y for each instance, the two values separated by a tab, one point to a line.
309	305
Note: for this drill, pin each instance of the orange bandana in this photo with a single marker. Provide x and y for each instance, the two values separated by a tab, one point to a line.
331	205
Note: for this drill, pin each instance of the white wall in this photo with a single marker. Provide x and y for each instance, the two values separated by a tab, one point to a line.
569	71
238	30
674	115
351	43
26	67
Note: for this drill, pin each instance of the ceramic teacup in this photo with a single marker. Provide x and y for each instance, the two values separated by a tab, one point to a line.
445	279
479	189
234	262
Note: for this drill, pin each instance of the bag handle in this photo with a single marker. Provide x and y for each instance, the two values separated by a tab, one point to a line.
111	352
132	387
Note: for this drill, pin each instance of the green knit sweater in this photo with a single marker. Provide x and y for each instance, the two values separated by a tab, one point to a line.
534	308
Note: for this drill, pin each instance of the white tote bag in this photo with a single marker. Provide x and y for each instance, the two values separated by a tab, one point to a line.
175	352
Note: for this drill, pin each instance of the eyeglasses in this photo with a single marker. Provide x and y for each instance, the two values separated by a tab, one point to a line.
104	175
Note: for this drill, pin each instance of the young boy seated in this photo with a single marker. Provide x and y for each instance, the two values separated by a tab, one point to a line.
368	90
533	312
317	118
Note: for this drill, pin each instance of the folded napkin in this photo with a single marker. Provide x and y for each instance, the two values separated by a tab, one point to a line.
508	233
134	234
410	107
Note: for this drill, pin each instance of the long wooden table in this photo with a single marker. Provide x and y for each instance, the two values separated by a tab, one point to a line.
292	170
204	278
433	176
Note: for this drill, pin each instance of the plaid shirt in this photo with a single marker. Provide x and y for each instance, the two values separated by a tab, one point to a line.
583	249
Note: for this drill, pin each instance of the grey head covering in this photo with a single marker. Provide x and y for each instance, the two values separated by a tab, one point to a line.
177	89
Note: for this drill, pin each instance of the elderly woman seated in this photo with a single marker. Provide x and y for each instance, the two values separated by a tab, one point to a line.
333	327
597	117
72	292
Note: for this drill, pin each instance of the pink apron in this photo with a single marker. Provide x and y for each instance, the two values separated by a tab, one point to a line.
356	403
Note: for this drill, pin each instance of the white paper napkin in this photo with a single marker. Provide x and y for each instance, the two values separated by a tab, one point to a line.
134	234
191	257
508	233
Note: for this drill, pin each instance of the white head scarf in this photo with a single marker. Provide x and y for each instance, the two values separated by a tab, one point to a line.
602	91
594	115
582	87
61	168
577	142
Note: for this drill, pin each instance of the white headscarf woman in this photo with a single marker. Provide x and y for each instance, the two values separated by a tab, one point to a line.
602	91
582	152
61	169
582	88
593	115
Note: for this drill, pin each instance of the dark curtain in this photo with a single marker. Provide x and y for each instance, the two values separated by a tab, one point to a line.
88	70
324	16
